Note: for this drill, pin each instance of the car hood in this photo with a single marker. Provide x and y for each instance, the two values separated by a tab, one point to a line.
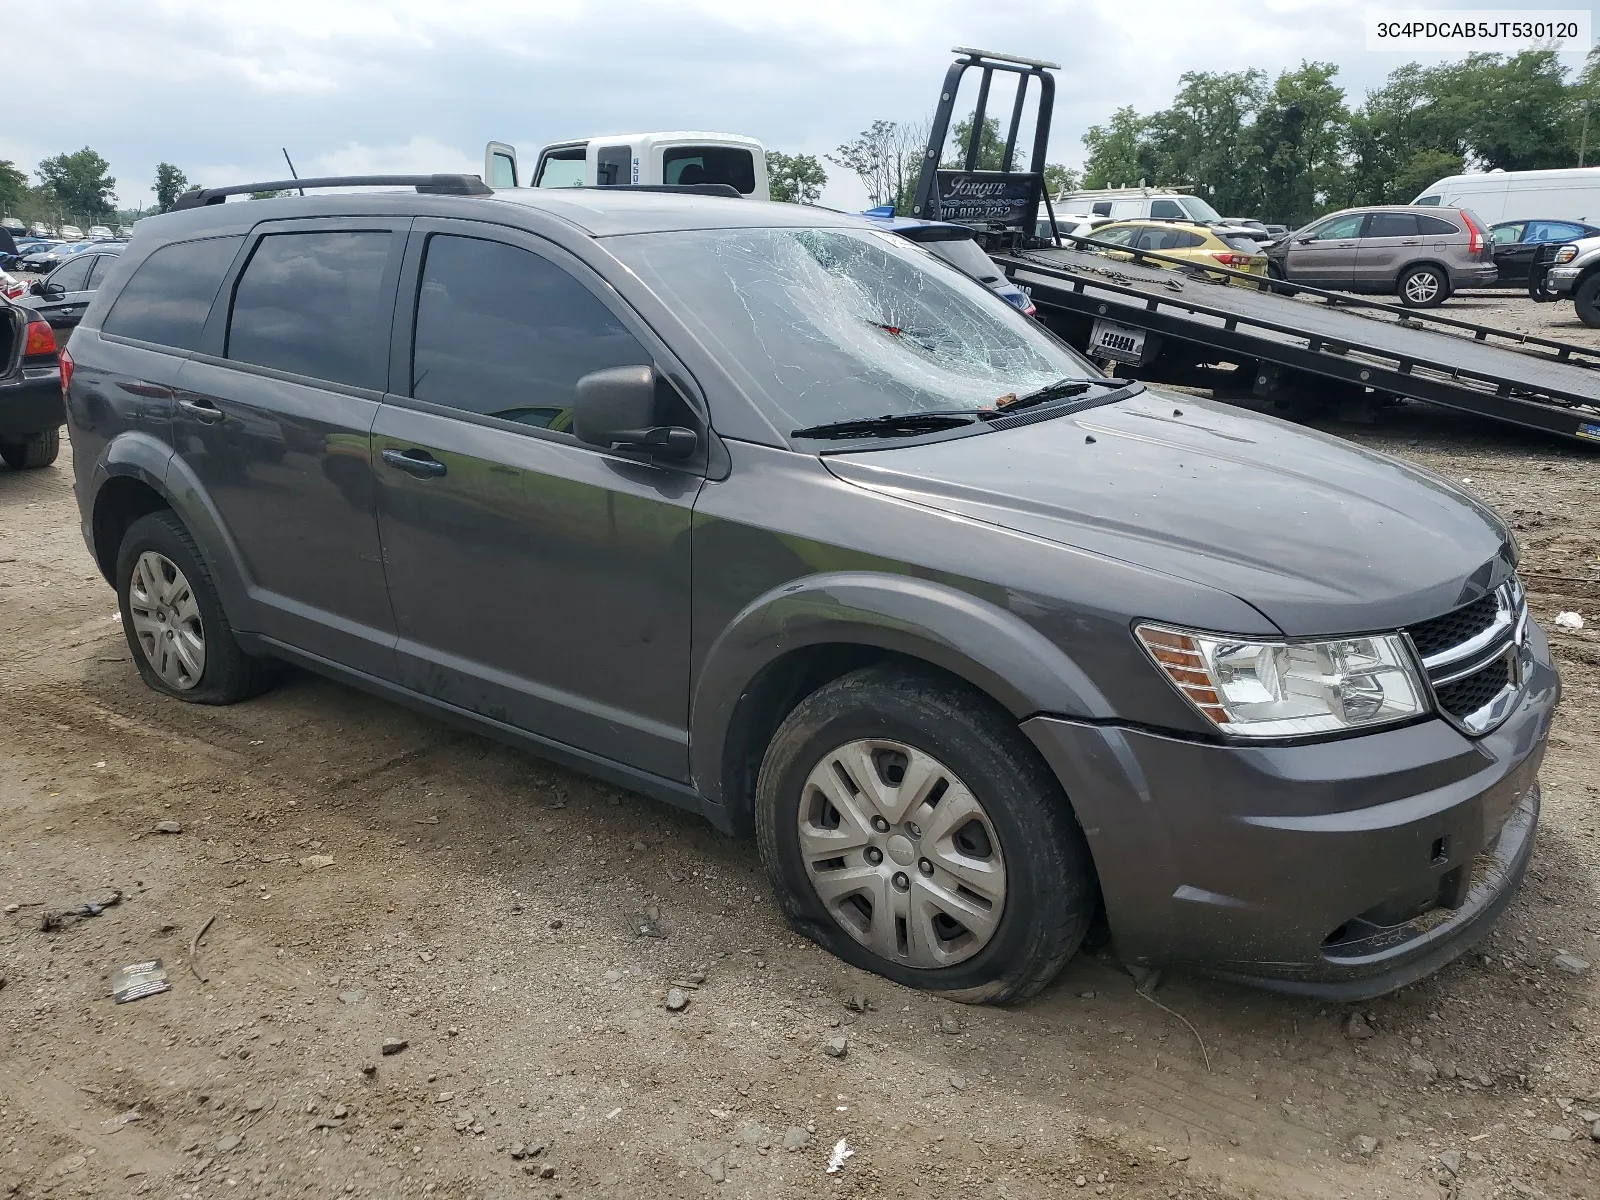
1319	535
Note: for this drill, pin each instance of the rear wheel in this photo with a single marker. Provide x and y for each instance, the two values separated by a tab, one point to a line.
38	451
1423	287
1587	301
172	617
909	827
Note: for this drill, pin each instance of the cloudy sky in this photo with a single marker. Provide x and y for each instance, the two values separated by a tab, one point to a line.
419	85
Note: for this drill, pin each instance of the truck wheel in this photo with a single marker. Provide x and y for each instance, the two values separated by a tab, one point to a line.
1587	301
172	617
38	451
1423	287
909	827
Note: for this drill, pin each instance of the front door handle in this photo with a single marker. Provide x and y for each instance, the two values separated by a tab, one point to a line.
202	410
415	462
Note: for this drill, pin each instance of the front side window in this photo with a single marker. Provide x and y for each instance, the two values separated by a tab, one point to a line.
1340	227
1553	231
562	168
1428	200
73	277
169	297
1507	235
505	333
964	254
315	304
1201	212
1167	210
820	325
710	164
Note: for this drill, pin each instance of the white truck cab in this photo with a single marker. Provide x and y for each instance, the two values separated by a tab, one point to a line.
682	156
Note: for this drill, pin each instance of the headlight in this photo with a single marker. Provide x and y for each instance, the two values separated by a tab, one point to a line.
1289	689
1566	254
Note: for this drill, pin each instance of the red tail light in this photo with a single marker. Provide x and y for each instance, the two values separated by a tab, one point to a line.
66	369
1476	243
41	338
1237	261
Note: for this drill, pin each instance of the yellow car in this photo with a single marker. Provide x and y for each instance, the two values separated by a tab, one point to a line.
1202	245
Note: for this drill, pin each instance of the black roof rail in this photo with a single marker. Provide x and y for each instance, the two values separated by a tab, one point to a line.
693	189
435	185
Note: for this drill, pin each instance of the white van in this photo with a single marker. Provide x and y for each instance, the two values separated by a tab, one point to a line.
1570	194
1138	204
682	156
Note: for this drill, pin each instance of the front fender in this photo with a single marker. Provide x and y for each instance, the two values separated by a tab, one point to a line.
967	636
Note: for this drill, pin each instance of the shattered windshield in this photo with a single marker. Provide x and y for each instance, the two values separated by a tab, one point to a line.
822	325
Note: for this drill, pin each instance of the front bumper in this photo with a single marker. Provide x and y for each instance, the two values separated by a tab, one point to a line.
1561	279
1340	869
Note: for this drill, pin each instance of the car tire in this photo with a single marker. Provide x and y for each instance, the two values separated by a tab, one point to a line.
180	638
38	451
1423	287
1586	300
1012	834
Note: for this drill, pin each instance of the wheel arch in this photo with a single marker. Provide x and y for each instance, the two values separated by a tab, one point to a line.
790	642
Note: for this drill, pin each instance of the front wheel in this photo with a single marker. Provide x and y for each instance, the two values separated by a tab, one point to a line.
38	451
1423	287
1586	299
909	827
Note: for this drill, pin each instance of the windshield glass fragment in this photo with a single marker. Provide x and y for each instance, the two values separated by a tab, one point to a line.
822	325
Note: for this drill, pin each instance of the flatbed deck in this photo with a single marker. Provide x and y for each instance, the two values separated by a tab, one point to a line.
1362	344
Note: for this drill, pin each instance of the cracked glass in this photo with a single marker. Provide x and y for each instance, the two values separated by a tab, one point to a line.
822	325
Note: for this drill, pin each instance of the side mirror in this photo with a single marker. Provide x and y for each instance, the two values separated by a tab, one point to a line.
616	410
53	291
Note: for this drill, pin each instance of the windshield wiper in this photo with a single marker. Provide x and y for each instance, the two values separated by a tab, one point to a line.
1059	390
891	424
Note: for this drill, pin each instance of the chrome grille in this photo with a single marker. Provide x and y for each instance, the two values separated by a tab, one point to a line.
1474	657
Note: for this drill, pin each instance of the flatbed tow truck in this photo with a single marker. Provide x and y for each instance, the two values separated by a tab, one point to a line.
1293	345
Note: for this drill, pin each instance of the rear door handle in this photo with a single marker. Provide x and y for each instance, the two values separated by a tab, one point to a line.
415	462
202	410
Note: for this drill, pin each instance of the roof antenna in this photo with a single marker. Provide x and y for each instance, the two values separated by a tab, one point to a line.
293	174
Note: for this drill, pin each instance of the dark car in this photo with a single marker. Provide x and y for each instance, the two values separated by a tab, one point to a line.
770	515
48	256
62	296
1422	256
1517	244
31	412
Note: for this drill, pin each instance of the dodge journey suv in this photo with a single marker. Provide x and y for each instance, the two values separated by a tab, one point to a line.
777	517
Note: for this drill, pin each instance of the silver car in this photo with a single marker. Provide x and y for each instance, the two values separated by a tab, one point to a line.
1422	255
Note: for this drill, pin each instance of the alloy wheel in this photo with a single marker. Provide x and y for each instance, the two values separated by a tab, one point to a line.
1422	287
902	854
166	620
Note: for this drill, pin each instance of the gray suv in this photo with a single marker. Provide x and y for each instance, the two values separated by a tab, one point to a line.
1422	255
779	518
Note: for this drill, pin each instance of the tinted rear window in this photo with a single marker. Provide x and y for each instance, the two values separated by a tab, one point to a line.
710	164
315	304
1433	225
1238	241
170	295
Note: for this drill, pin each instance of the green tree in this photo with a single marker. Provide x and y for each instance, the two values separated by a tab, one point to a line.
80	183
795	178
1120	152
1203	140
170	184
1300	137
887	158
13	187
991	146
1059	178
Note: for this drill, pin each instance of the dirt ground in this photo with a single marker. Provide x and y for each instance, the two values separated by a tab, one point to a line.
370	874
